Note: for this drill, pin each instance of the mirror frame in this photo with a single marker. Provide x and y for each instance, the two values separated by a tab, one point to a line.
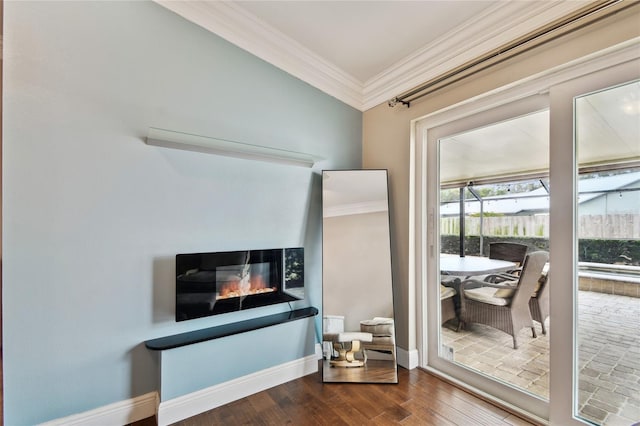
364	352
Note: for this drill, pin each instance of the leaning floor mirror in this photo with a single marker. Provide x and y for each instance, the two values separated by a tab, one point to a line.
357	296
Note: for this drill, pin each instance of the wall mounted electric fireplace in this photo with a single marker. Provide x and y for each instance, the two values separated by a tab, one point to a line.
222	282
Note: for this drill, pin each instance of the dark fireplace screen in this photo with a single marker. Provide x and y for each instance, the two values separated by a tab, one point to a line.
222	282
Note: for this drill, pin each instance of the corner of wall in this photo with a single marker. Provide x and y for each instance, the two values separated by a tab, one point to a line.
407	358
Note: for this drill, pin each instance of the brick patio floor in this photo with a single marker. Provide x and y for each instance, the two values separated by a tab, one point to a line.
609	357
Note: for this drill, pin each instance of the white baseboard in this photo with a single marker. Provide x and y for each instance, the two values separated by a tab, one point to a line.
118	413
148	405
189	405
407	359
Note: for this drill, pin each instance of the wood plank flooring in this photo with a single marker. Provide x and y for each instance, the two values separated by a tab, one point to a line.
418	399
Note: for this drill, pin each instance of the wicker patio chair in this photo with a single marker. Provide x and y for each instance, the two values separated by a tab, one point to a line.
512	252
539	302
447	305
504	306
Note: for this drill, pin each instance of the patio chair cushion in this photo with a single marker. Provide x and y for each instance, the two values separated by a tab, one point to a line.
486	295
506	292
446	292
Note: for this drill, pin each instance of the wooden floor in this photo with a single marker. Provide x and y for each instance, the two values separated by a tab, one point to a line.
418	399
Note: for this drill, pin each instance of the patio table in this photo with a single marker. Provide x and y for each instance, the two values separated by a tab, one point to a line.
452	264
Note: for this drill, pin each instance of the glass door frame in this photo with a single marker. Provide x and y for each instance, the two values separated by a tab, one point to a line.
564	175
525	403
557	89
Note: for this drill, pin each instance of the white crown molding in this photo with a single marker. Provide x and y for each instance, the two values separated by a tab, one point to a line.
495	27
234	24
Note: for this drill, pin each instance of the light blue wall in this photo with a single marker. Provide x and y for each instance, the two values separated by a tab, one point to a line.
93	217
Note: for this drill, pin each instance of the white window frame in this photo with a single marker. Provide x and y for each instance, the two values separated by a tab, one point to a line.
563	175
557	88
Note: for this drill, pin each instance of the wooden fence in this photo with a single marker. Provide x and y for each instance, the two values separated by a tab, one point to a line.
590	226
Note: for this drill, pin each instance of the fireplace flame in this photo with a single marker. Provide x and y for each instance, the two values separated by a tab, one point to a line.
238	287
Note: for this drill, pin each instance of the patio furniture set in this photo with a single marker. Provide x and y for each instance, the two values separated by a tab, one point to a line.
507	291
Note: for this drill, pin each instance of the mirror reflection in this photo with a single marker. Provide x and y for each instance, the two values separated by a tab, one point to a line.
358	322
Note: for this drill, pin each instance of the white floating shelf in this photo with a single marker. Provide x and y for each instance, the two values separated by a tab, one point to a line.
189	142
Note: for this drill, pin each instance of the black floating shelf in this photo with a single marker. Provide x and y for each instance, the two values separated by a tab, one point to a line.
197	336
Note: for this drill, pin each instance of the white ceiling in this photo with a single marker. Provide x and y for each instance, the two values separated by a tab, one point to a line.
607	132
511	147
366	52
365	38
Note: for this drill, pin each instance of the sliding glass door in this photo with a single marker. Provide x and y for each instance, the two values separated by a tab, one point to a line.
502	222
607	124
515	174
489	193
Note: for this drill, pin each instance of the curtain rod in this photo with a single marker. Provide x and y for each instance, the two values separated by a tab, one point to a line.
577	20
